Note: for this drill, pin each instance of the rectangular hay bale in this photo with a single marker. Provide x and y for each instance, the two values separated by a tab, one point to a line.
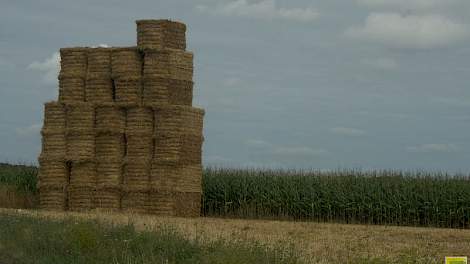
81	197
126	62
54	116
168	63
53	197
80	117
71	89
136	173
140	120
108	199
109	146
180	149
99	89
161	203
135	201
188	204
179	120
73	62
99	62
53	145
110	118
175	177
53	172
140	147
161	34
128	91
80	147
109	172
83	173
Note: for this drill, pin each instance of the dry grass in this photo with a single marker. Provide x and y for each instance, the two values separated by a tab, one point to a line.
317	242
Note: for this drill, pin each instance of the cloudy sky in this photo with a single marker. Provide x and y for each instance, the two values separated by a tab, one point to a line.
297	84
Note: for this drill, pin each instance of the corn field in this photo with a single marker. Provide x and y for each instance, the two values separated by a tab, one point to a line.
413	198
366	197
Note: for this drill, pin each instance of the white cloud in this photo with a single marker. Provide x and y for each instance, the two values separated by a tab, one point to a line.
265	9
427	148
30	130
299	152
408	4
50	67
348	131
257	143
381	63
101	46
410	31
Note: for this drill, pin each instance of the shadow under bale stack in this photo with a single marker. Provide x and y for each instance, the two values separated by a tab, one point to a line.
124	135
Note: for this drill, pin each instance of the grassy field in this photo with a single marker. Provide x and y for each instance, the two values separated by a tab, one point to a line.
311	242
28	239
374	197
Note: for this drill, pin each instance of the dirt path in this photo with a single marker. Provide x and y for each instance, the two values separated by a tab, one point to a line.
317	242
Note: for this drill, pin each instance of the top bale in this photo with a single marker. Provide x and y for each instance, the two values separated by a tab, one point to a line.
160	34
73	62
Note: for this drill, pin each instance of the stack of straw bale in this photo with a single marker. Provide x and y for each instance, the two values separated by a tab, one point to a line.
176	166
124	135
167	77
53	172
99	85
126	70
72	74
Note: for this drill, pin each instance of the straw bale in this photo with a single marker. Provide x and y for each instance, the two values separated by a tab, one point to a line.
162	203
179	149
110	118
140	146
180	92
53	172
109	146
80	147
71	89
160	91
139	120
155	91
168	63
136	173
188	204
135	201
99	62
99	89
109	172
191	150
179	120
126	62
128	91
168	148
80	117
53	197
73	62
164	177
54	116
175	177
83	173
53	145
81	197
108	198
160	34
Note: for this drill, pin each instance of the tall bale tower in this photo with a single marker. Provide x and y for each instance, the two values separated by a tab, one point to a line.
123	134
